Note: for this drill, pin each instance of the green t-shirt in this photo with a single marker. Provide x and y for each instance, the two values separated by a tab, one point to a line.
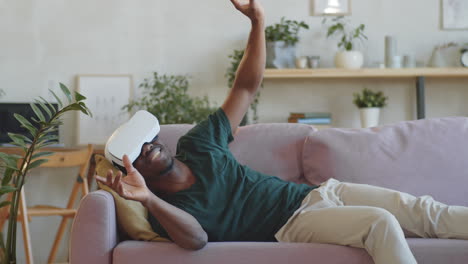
231	201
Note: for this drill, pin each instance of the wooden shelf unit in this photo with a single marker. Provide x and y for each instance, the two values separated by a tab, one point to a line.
365	73
418	74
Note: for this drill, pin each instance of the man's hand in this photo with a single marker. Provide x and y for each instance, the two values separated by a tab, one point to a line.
251	8
132	187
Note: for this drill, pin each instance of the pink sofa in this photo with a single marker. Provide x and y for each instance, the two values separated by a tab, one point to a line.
419	157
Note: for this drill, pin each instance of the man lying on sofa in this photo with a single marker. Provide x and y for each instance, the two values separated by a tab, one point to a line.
203	194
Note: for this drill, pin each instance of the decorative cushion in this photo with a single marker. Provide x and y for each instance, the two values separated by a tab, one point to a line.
131	215
273	149
424	157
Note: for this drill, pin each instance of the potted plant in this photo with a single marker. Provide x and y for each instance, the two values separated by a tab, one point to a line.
347	57
166	97
281	43
369	104
16	168
236	58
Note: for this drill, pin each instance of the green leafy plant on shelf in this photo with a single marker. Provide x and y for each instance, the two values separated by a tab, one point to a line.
348	35
368	98
16	167
286	30
235	59
166	97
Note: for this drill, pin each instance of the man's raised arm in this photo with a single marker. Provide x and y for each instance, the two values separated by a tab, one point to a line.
250	72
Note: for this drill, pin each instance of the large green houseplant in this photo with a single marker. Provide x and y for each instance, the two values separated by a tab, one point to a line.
16	167
166	96
347	57
281	43
369	104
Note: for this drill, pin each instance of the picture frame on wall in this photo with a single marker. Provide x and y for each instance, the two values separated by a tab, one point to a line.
106	95
331	7
454	14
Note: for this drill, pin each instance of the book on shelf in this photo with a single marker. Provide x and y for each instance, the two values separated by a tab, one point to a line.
310	115
310	121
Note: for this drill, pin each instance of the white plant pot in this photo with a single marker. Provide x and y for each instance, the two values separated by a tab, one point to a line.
370	117
349	59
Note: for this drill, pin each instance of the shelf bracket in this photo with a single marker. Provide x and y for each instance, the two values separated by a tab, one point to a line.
420	97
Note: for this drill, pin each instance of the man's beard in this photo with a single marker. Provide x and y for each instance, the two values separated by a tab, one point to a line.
168	168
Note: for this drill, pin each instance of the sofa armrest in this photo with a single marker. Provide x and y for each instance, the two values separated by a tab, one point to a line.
94	231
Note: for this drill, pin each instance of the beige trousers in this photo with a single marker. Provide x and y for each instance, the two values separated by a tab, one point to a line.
371	217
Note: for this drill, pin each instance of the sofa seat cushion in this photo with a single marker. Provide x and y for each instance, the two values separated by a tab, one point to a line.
238	253
434	251
424	157
427	251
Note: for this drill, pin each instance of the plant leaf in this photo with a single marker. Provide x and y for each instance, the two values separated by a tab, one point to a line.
22	137
3	204
26	124
85	109
7	189
5	156
36	163
18	140
66	91
9	167
49	137
45	144
41	154
79	97
7	176
52	108
44	108
37	112
59	102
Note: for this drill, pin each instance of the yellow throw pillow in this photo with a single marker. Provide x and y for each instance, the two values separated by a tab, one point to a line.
131	215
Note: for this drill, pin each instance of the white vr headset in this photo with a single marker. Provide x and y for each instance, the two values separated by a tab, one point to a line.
129	138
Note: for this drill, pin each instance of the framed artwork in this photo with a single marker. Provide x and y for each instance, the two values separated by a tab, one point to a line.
331	7
106	95
454	14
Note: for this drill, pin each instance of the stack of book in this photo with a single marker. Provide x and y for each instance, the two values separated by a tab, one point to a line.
318	120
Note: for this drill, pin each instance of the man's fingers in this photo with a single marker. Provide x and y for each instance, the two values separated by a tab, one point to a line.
120	190
128	164
109	178
100	179
117	181
235	3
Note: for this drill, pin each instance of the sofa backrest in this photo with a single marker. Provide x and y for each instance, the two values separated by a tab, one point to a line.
273	149
425	157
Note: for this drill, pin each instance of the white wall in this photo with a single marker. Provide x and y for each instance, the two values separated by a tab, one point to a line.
47	41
